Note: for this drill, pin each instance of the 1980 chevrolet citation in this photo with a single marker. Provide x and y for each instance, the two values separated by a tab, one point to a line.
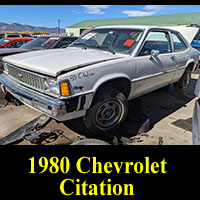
96	76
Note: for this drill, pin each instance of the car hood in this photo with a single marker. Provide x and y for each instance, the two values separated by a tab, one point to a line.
56	61
7	51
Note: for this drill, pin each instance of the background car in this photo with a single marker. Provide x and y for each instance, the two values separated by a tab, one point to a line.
48	42
40	43
9	35
14	42
196	42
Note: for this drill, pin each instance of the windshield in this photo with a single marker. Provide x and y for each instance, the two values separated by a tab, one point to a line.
4	41
40	43
113	40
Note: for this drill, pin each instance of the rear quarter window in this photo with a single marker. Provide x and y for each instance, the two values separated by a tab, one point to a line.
179	44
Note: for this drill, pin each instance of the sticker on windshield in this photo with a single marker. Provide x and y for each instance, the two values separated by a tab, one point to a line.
88	36
129	43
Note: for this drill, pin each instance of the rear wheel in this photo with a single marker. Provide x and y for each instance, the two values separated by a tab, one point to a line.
183	84
108	111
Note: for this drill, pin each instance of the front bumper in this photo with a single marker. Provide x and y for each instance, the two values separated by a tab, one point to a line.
52	107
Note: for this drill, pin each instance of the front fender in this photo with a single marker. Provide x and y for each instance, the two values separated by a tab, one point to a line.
101	81
108	78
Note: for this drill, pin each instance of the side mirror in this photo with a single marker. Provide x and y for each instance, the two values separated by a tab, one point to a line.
155	53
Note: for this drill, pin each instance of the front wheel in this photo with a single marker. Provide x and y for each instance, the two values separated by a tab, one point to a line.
108	111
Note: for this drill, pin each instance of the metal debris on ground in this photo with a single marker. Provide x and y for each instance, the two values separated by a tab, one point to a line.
126	140
136	139
7	102
35	136
115	141
11	99
160	141
19	134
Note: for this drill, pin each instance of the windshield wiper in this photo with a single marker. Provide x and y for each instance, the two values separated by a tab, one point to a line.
103	48
80	44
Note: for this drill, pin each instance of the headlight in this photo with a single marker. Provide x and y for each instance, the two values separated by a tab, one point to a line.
52	87
5	66
57	88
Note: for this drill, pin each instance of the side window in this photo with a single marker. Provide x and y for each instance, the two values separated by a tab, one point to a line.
17	44
11	45
179	45
156	41
64	42
12	35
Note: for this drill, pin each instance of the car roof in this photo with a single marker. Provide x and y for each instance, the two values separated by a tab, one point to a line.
140	27
129	26
18	38
56	36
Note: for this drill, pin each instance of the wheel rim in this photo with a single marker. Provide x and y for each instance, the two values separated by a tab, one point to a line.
109	113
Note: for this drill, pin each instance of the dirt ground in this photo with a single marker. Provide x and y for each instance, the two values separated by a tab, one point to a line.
167	117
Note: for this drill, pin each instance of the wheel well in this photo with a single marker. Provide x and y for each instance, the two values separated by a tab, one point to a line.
122	84
191	66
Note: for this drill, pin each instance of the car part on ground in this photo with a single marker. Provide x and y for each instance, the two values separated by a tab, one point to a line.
90	142
38	135
19	134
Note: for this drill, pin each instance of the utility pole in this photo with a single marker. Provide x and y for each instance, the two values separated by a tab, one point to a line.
58	25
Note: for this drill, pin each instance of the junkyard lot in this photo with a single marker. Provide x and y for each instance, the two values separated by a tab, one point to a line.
170	115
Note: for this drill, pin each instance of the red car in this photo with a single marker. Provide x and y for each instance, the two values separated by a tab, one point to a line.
14	42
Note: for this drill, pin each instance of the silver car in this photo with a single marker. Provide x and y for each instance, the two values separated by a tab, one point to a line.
96	76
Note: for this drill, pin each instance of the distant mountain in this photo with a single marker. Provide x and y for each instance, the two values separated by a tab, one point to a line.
15	27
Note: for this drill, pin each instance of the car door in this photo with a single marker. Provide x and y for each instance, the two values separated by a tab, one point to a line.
154	71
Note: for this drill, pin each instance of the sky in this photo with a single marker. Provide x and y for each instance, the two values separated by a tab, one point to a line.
48	15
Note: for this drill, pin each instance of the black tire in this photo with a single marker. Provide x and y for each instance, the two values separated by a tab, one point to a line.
183	84
107	112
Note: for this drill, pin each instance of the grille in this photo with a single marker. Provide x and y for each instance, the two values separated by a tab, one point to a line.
26	78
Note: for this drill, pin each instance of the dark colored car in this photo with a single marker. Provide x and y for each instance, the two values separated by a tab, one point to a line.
196	41
9	35
40	43
196	44
14	42
48	42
